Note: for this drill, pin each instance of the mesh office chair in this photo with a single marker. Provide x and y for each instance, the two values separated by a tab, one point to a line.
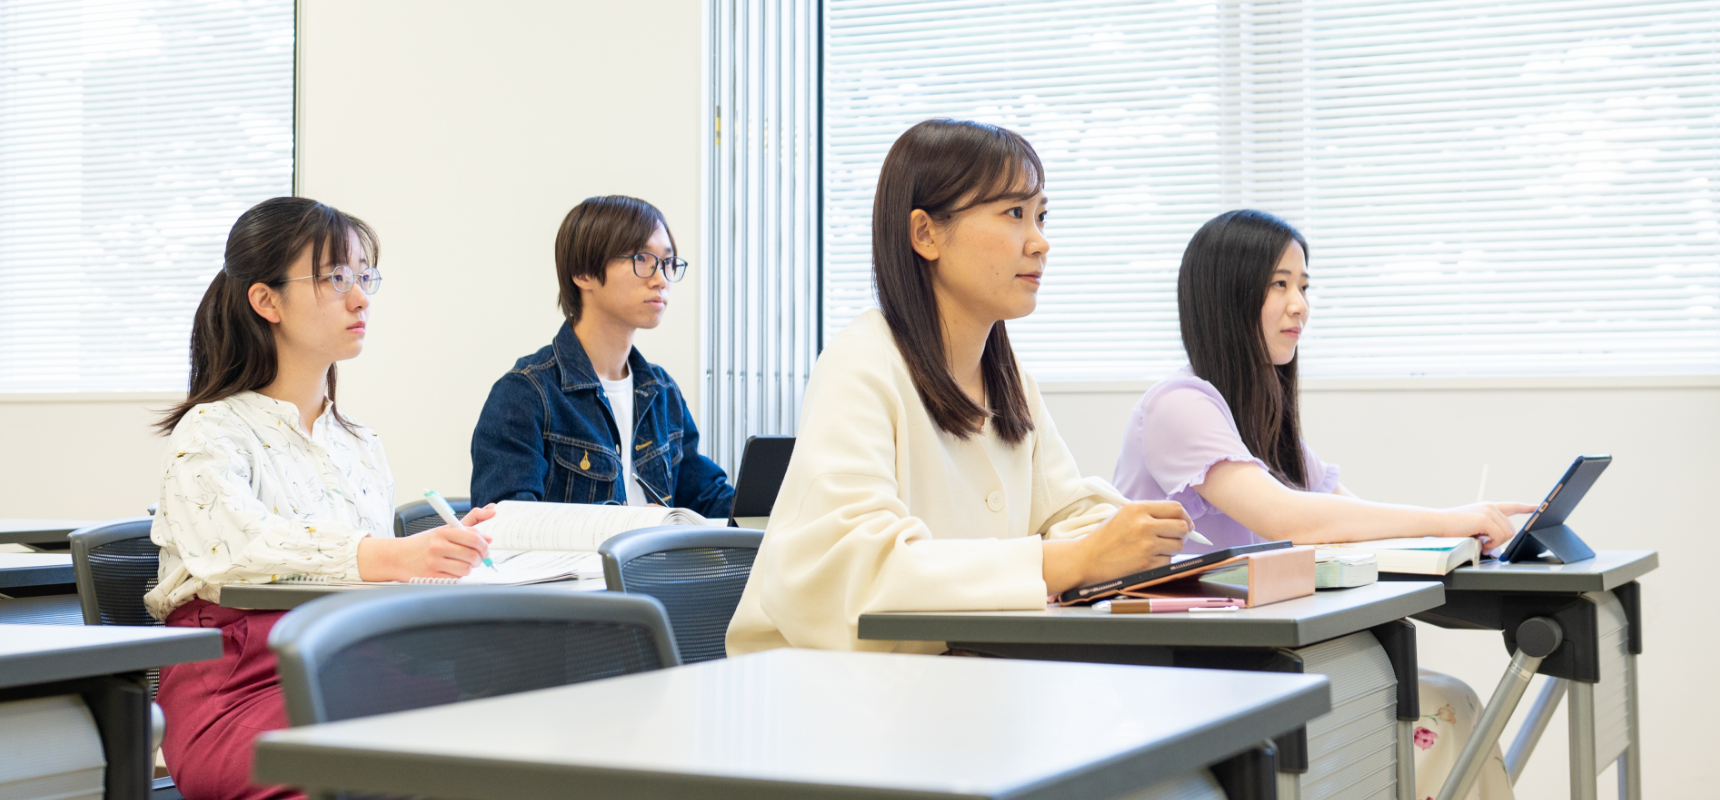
358	654
115	564
698	573
418	516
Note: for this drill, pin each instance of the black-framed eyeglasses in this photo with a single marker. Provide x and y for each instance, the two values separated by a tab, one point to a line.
342	278
646	264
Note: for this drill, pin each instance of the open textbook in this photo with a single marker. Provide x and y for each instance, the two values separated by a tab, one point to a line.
543	542
1419	556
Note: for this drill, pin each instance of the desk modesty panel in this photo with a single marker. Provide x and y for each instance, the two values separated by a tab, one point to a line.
31	654
812	724
288	596
1327	614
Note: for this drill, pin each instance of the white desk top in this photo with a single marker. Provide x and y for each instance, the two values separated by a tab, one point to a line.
1327	614
35	569
1608	570
812	724
32	654
286	596
39	531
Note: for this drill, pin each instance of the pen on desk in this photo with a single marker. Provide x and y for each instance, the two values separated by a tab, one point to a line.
1481	493
446	512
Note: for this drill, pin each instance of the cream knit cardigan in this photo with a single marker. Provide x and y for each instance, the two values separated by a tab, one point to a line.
882	511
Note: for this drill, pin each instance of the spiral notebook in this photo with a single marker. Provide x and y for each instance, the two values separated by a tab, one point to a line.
542	542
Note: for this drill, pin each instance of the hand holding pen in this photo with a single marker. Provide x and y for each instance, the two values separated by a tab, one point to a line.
446	512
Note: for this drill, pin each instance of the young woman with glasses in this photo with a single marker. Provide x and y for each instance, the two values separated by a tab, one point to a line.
265	478
587	419
1223	437
928	474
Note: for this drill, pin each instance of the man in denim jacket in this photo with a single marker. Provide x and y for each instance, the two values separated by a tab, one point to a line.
550	429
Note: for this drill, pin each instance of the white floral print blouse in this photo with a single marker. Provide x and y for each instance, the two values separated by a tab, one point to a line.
246	497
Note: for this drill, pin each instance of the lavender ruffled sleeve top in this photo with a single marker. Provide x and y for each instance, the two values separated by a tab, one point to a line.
1181	428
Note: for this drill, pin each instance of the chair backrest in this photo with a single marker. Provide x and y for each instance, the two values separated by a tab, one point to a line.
764	463
697	572
116	564
374	651
418	516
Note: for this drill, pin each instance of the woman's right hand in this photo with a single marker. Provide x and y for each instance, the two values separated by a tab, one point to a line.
445	552
1140	537
1489	521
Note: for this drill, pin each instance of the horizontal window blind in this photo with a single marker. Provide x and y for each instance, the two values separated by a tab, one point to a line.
1512	189
132	134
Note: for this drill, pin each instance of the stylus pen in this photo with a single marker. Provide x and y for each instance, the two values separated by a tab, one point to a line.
446	512
1193	535
652	493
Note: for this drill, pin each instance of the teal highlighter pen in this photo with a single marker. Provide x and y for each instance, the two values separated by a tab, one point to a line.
446	512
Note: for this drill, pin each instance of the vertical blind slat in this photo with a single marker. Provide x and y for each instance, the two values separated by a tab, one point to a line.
761	156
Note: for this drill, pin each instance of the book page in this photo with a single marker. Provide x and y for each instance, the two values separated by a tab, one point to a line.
535	566
569	526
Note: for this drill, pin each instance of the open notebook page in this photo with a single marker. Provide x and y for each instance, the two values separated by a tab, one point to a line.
566	526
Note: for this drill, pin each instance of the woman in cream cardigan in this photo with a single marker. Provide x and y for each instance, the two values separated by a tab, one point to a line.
928	475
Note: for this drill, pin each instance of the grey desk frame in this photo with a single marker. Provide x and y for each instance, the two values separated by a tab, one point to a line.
1499	596
107	666
1251	639
287	596
809	724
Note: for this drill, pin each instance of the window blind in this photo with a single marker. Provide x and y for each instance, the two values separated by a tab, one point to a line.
1488	189
132	134
760	233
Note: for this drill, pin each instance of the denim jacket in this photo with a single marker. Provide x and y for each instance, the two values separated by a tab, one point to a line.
547	433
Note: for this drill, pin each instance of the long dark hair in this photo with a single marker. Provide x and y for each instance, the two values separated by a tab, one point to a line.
1221	290
595	231
232	348
944	167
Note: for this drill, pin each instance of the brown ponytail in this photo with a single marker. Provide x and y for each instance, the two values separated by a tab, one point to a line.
232	348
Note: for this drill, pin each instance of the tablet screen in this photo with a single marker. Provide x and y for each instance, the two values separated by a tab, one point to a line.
1559	503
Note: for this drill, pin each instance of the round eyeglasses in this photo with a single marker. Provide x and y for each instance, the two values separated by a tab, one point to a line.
342	278
646	264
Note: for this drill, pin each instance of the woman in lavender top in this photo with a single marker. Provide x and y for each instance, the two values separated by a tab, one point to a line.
1222	436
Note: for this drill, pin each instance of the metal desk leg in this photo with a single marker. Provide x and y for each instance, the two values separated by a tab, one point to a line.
1406	759
1630	764
1552	693
1582	718
1536	638
1250	775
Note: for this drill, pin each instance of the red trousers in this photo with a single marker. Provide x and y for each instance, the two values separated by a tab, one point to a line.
216	709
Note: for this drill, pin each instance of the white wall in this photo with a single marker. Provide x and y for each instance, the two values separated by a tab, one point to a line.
1428	446
462	132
